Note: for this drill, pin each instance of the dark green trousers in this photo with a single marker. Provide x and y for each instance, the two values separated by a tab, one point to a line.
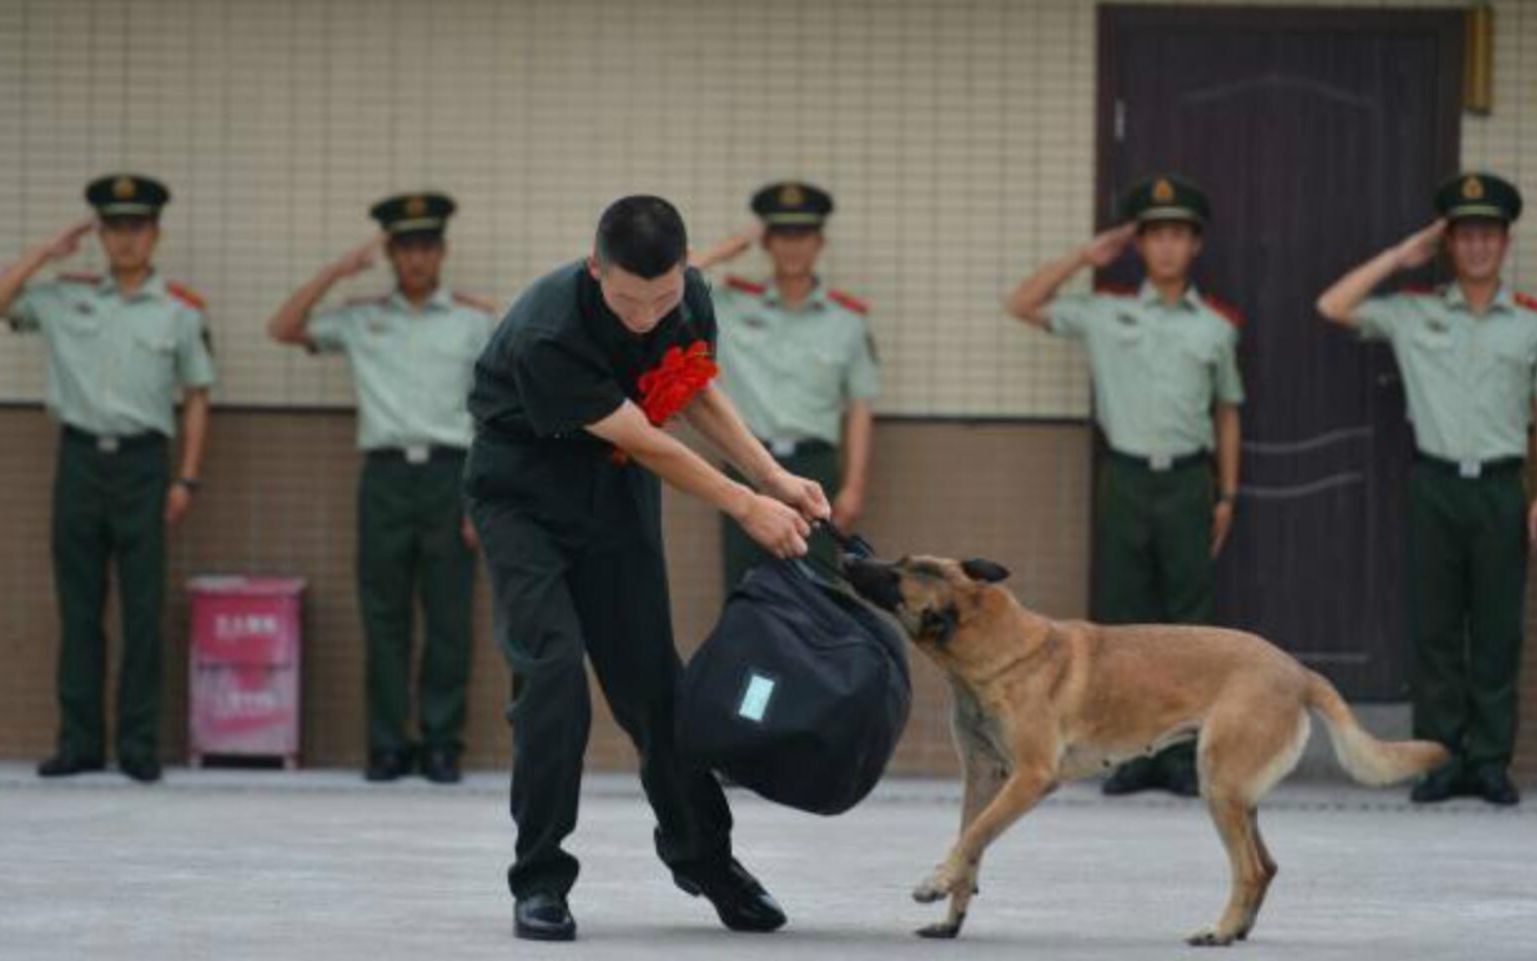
1152	552
1467	567
740	553
1152	544
109	507
410	547
573	545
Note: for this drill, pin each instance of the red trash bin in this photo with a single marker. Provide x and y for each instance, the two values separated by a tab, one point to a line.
244	668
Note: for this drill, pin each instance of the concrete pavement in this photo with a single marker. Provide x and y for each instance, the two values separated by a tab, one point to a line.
258	864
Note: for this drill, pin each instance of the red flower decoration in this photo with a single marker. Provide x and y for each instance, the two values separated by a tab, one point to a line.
668	387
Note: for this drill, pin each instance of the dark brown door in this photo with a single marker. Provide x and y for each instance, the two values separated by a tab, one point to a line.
1320	136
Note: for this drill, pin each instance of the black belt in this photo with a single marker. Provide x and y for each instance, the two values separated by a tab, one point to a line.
415	454
1470	469
112	444
1159	465
793	448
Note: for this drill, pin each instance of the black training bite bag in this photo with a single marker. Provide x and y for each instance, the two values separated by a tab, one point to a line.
801	691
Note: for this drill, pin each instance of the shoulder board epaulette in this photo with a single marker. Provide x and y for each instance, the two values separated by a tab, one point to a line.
186	295
1108	289
1525	300
1418	290
470	300
848	301
745	285
1229	313
80	277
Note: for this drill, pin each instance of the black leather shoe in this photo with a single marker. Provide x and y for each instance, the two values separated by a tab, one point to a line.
1439	785
145	770
543	917
388	766
440	767
1133	776
1493	785
1179	776
741	902
65	764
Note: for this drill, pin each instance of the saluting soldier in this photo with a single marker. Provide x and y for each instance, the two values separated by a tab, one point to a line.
797	359
570	400
1468	355
413	354
1166	395
119	347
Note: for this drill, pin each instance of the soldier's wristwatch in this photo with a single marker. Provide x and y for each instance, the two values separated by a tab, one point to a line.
190	483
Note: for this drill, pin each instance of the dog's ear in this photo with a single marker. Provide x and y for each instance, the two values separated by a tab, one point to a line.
980	569
938	625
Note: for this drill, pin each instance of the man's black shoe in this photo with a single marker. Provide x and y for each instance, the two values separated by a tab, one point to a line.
388	766
1493	785
741	902
1439	785
1180	777
65	764
543	917
440	766
1133	776
145	770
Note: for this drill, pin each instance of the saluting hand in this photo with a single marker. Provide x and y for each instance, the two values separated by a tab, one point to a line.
68	240
1108	245
1421	246
361	258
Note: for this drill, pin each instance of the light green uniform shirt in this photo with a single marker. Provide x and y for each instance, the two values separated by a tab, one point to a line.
115	362
1469	379
412	367
1158	368
792	373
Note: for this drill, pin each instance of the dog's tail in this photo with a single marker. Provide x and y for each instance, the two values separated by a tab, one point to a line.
1363	756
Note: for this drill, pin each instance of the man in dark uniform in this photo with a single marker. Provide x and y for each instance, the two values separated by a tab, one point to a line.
569	400
1468	356
1166	394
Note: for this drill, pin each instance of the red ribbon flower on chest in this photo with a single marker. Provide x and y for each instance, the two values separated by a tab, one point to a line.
668	387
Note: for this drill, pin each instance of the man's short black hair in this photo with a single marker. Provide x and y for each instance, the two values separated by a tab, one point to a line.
643	235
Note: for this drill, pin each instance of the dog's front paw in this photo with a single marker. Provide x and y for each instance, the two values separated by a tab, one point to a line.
934	887
941	930
1209	938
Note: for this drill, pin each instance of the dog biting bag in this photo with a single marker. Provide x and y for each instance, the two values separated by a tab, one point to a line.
801	691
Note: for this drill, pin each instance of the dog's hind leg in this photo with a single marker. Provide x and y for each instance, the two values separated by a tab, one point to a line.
1231	816
1269	869
985	773
1242	753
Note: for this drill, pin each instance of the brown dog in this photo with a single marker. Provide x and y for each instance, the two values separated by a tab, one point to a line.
1039	702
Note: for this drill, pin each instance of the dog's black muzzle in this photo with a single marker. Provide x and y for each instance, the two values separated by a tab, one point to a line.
876	582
